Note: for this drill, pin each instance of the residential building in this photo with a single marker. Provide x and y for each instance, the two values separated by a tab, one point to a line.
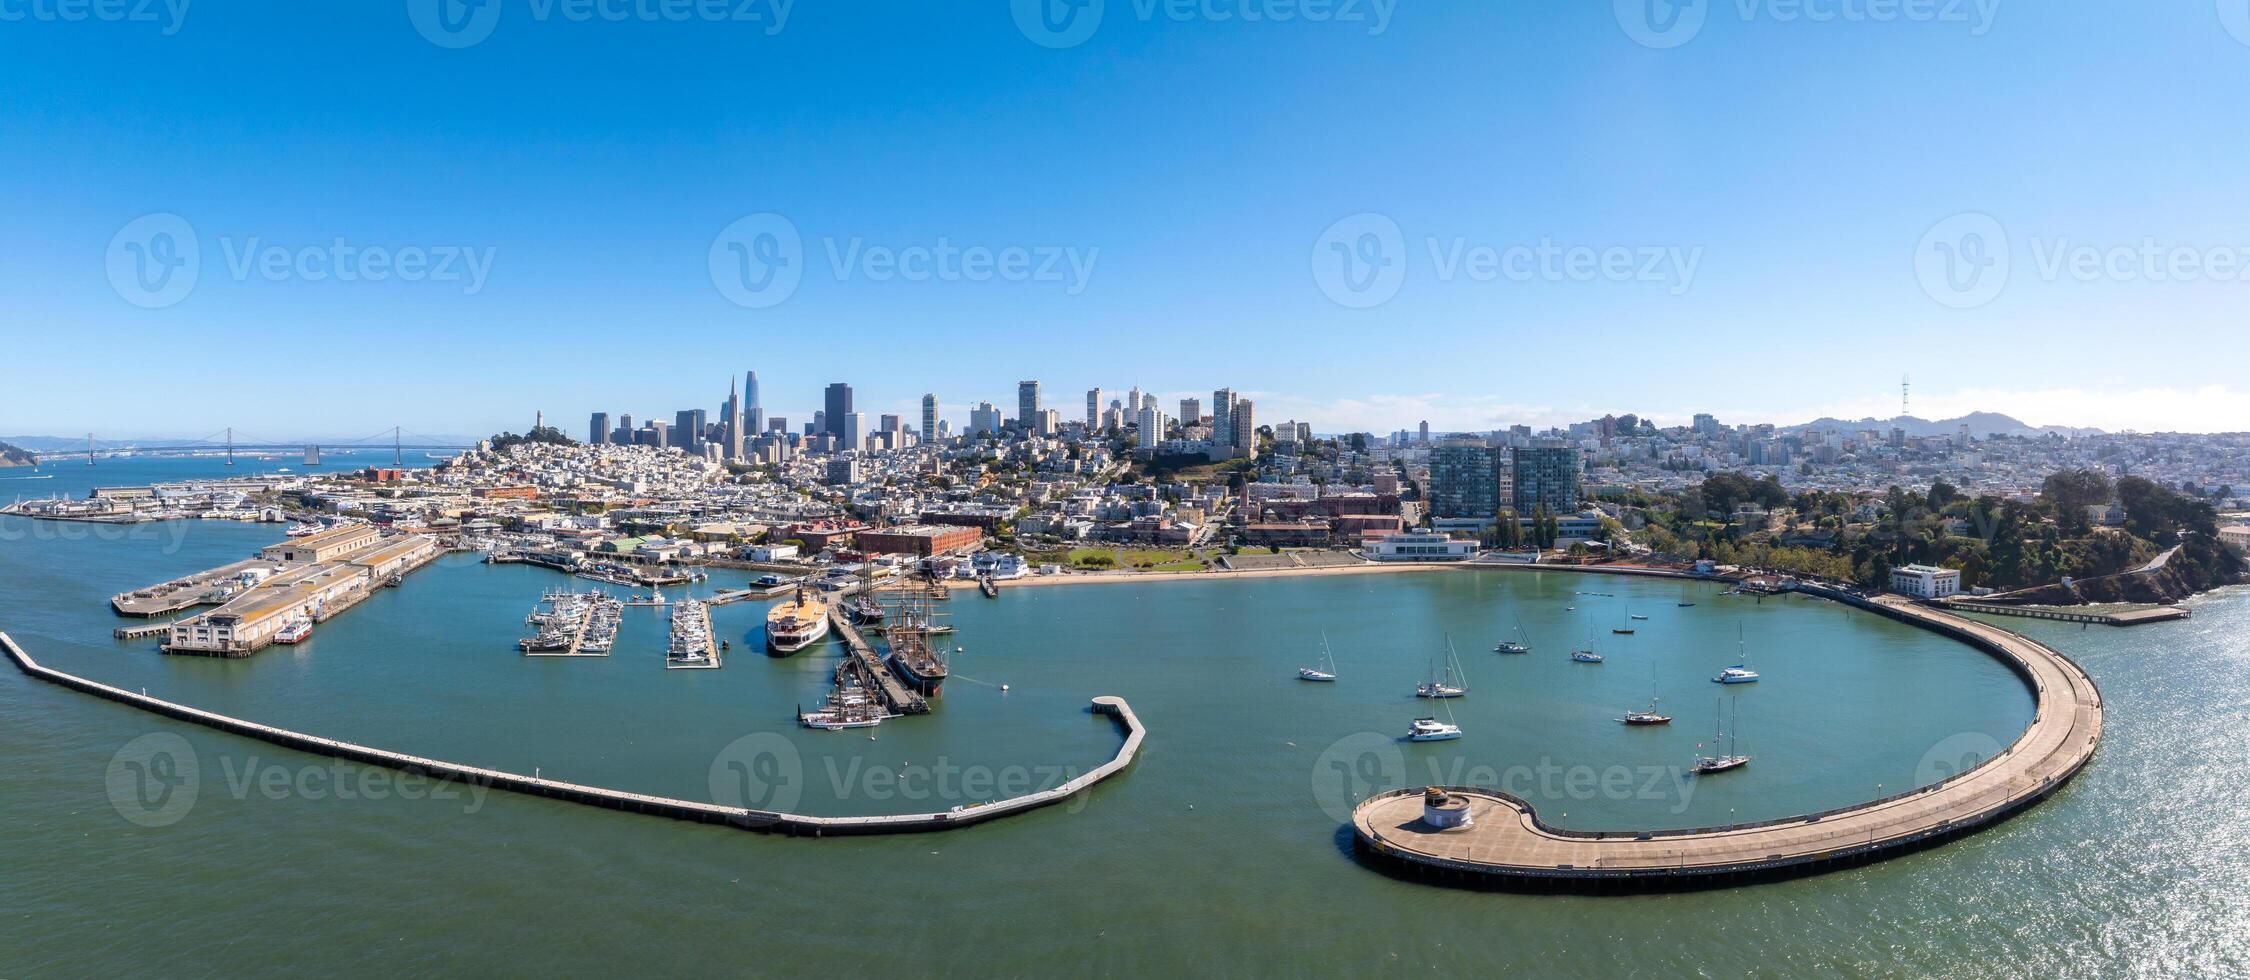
1027	404
1546	476
1465	479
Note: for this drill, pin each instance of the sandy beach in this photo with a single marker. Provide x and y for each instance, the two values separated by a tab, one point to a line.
1371	568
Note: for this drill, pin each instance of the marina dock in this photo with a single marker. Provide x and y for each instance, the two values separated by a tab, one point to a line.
867	665
761	821
693	645
1505	844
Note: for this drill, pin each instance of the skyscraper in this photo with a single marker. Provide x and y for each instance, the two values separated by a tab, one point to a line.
1244	417
839	405
929	418
1151	428
1027	405
1546	476
730	425
597	431
1191	411
984	419
852	431
753	411
1093	408
1222	417
687	429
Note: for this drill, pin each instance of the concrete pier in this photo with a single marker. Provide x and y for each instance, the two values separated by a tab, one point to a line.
1505	844
763	821
897	697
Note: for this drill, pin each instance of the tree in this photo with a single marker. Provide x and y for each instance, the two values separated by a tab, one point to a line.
2068	493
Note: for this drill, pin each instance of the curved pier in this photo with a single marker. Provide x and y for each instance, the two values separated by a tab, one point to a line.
763	821
1507	845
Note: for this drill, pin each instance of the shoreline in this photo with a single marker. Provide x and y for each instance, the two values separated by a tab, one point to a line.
1369	568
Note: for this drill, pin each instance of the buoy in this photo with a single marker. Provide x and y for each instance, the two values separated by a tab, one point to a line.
1003	688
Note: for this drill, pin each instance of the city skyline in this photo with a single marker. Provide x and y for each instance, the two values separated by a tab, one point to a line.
1792	283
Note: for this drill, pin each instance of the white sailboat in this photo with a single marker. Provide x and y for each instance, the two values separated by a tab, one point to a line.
1517	645
1451	684
1325	671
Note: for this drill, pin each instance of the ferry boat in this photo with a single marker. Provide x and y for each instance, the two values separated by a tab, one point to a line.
294	631
1431	730
796	624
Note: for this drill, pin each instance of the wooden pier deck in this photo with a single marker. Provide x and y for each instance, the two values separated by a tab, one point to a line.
762	821
1508	845
861	655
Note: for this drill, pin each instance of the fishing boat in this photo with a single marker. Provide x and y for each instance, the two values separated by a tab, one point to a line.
1740	673
1325	670
1517	645
1731	758
796	624
1449	684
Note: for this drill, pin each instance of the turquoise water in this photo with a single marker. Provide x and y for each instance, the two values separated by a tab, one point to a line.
1218	852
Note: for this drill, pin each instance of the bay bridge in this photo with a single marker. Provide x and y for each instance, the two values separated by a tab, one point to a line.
231	441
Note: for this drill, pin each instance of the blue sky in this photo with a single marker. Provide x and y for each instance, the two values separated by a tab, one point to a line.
1774	190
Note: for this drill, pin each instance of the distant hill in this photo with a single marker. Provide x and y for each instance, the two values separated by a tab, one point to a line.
14	456
1983	425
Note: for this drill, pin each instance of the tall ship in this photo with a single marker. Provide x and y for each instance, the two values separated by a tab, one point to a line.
796	624
913	658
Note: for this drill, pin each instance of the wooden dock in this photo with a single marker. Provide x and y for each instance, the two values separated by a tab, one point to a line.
762	821
861	658
1507	845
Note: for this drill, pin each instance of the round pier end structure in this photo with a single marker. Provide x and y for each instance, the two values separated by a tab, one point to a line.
1483	838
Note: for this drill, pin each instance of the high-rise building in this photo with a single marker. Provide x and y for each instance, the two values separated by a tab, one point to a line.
1191	411
1093	408
687	429
1049	422
1244	417
1425	432
984	419
1546	476
1027	405
1464	479
1222	417
597	431
929	418
852	434
839	403
1151	424
753	411
623	435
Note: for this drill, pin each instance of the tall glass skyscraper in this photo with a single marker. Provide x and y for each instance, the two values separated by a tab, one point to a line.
839	405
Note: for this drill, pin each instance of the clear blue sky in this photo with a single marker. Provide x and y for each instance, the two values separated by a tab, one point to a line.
1800	162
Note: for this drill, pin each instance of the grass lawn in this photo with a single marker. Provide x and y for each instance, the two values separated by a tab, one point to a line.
1153	559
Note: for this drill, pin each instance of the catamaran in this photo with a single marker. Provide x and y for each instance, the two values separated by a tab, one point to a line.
1451	684
1739	673
1431	730
1326	671
1732	758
